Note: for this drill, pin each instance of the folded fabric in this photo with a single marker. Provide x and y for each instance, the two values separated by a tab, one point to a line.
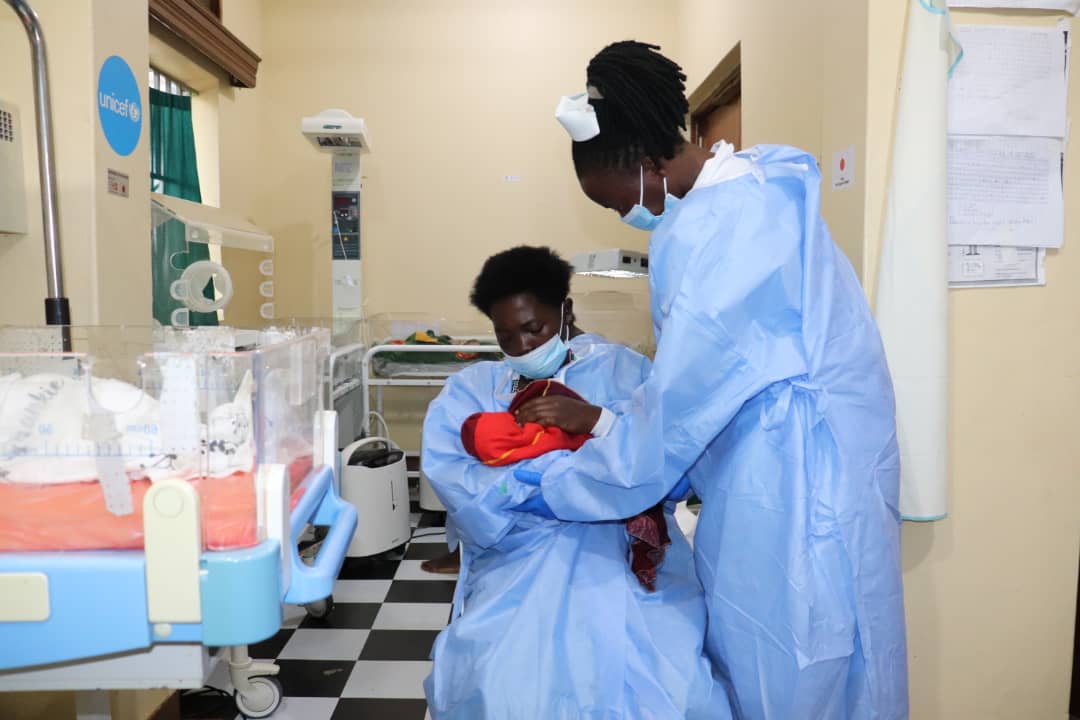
430	338
496	439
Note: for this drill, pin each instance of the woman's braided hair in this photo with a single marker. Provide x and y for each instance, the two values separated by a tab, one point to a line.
641	108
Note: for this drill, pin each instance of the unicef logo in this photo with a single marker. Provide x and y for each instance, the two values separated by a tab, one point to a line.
119	106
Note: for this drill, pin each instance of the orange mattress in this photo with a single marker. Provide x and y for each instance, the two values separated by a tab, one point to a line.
72	516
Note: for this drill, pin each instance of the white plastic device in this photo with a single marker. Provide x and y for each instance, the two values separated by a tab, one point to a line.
612	263
189	288
336	131
381	498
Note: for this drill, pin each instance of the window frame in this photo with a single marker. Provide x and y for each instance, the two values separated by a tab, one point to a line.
197	26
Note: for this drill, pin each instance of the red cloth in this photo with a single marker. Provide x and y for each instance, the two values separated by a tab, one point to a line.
496	439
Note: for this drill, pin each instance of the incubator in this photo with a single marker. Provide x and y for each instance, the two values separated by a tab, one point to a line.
83	435
154	483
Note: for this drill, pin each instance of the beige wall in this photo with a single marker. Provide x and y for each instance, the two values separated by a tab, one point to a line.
120	227
240	118
782	63
106	255
803	83
22	260
843	119
991	592
104	235
456	97
226	122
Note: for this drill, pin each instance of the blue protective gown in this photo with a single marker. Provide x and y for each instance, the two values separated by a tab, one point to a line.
771	390
549	621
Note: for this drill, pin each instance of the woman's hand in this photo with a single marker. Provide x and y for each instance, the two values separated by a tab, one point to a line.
573	416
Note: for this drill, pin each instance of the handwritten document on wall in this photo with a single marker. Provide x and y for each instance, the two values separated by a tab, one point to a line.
1005	191
1011	81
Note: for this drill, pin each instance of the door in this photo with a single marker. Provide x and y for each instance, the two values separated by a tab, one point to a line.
723	122
716	105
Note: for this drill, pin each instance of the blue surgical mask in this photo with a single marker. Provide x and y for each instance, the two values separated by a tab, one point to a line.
544	361
641	217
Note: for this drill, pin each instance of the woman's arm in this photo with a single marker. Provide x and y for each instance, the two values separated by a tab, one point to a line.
733	329
480	499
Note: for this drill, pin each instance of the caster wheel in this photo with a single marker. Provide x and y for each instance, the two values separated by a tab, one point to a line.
263	699
320	608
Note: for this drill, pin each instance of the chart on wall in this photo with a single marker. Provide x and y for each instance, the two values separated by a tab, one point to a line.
1008	122
1070	6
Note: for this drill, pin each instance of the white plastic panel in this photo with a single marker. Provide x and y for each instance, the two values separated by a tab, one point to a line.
173	545
24	597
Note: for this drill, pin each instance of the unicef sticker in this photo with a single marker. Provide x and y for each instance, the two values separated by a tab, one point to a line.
119	107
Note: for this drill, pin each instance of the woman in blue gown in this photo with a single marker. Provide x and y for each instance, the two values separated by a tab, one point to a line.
549	621
769	390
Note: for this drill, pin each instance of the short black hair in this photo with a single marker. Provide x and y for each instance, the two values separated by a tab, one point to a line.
641	109
524	269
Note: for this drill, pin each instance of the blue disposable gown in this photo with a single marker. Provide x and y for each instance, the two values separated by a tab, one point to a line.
549	621
771	390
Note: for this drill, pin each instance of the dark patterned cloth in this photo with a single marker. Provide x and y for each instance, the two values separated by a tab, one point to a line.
648	540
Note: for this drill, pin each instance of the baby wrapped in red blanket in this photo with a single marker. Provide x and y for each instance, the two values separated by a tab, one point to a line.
496	439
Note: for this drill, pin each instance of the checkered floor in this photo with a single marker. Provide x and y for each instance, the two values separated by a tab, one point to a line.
369	658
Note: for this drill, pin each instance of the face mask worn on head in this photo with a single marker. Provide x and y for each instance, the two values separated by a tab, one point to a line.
641	217
544	361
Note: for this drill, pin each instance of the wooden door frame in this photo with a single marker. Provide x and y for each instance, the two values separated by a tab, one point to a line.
722	85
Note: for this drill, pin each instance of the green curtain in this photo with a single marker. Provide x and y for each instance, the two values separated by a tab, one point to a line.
173	172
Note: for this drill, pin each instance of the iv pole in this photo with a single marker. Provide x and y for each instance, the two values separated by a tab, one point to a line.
57	309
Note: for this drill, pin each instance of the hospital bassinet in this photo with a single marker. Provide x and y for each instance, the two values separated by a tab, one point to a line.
153	485
83	435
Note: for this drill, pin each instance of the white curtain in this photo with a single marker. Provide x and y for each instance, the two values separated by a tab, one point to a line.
912	288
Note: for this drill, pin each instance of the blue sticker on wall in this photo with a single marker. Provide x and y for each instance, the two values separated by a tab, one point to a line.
119	106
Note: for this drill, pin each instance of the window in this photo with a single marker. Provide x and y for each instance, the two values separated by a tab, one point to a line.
164	83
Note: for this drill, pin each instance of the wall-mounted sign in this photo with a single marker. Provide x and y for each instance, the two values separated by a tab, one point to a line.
118	183
119	105
843	168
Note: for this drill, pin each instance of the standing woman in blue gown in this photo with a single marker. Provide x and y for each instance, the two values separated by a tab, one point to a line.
769	390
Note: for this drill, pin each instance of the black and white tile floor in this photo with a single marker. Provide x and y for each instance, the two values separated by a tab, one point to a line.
368	659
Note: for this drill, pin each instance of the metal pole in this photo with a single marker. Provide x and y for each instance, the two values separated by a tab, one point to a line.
57	310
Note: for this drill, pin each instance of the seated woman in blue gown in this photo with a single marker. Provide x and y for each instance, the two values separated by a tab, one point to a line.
549	619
